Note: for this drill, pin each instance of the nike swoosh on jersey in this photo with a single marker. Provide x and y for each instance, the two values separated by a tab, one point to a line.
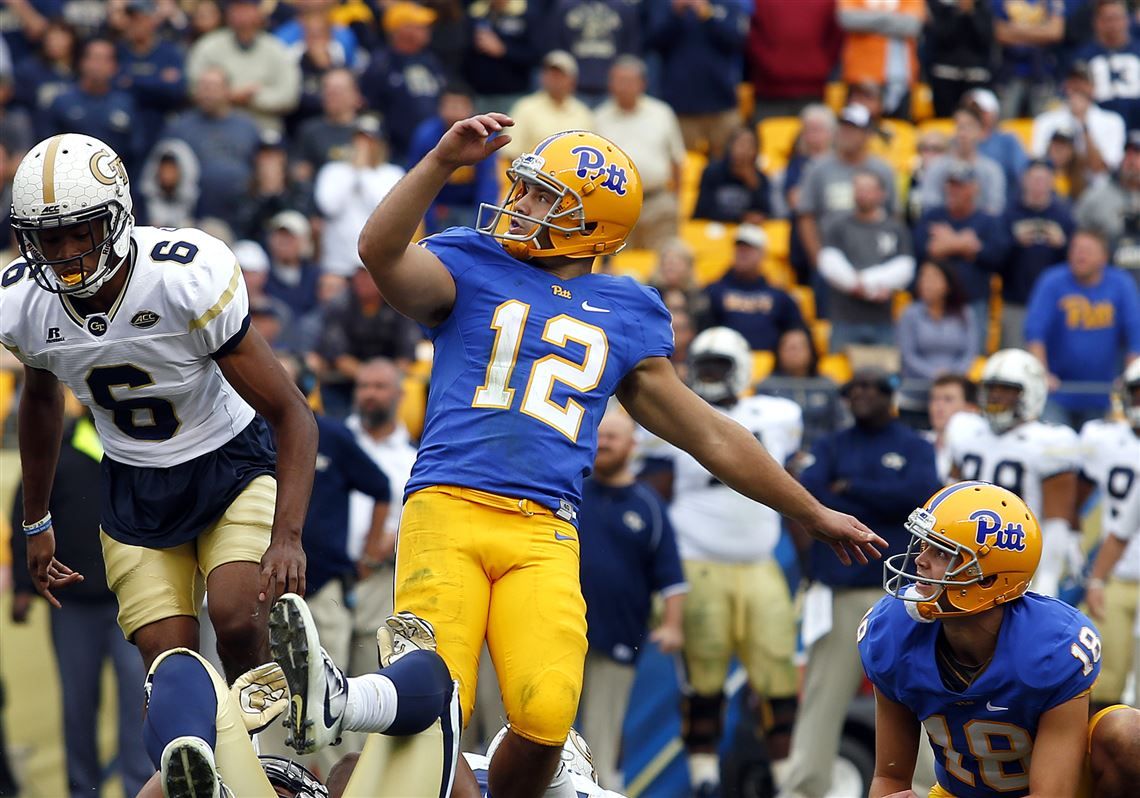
587	306
991	708
560	536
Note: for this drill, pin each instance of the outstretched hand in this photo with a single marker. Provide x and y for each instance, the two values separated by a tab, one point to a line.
847	536
47	572
470	140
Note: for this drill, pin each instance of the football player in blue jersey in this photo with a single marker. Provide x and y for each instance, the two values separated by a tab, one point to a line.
997	676
529	347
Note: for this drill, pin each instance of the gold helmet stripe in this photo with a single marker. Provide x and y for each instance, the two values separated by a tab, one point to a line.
49	168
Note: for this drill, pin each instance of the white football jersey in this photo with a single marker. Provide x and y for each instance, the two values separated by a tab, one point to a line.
582	786
144	368
1018	460
1110	457
714	522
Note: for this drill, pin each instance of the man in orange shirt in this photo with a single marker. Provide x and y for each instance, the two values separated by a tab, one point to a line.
881	47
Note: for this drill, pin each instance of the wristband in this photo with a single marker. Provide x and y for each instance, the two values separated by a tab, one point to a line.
1094	583
43	525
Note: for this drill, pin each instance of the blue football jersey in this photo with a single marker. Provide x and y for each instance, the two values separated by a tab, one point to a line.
1047	653
524	366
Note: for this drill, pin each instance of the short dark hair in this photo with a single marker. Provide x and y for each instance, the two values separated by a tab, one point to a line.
1096	233
968	386
968	107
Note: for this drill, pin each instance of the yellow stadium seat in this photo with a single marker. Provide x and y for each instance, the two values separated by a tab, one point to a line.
805	298
899	303
921	103
712	244
975	373
835	95
777	139
902	146
1022	128
637	263
7	396
836	366
779	232
821	335
745	99
942	125
691	172
779	273
763	361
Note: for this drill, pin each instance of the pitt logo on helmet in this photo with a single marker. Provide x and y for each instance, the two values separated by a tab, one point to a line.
592	165
1011	537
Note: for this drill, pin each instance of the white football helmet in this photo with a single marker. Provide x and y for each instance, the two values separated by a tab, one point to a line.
72	179
1130	384
723	344
576	755
1015	368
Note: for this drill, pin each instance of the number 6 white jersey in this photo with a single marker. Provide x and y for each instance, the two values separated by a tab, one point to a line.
1018	460
145	368
1110	453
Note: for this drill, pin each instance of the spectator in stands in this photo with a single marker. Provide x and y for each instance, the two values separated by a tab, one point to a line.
701	43
264	80
25	23
457	203
1083	320
932	145
675	279
205	19
347	191
937	333
1001	147
502	51
796	376
329	136
595	32
881	470
949	394
293	276
1039	225
151	70
743	300
376	423
1070	165
629	553
271	190
84	631
866	257
1097	134
169	185
792	56
1113	207
684	331
224	141
968	240
94	106
968	132
816	139
313	20
1028	31
733	189
405	78
826	190
647	129
959	38
254	262
359	326
551	109
881	46
45	73
1114	61
317	52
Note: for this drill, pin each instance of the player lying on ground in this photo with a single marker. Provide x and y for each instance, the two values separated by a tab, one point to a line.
998	677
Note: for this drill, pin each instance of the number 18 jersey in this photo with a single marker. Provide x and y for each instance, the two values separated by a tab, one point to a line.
146	367
524	366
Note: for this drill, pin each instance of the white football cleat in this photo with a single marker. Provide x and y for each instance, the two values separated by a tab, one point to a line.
188	770
318	688
401	633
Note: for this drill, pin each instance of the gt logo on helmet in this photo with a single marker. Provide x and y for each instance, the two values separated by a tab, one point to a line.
108	169
592	164
1011	537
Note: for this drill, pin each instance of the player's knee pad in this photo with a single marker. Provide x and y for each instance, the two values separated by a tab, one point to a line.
1114	752
701	721
181	701
776	716
543	710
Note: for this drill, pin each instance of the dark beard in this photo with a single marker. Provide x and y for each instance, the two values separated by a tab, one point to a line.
376	417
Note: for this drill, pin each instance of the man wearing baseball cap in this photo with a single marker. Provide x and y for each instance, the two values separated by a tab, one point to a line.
1098	133
551	109
1001	147
1111	207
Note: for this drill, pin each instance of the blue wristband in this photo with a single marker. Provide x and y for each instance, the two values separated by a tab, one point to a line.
43	525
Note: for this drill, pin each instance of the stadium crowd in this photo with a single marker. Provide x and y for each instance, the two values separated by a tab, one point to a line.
862	200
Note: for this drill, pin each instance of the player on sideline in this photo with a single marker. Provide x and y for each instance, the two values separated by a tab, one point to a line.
149	328
998	677
529	346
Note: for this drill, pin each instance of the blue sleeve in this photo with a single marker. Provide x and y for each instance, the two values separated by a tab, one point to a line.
486	182
667	571
422	142
654	325
921	234
452	247
1130	312
730	30
361	472
818	476
664	27
998	7
995	243
876	648
1039	311
915	483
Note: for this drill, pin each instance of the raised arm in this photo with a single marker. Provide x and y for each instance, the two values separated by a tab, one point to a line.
661	403
412	279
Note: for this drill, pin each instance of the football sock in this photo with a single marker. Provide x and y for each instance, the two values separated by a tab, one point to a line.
405	698
704	769
182	704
